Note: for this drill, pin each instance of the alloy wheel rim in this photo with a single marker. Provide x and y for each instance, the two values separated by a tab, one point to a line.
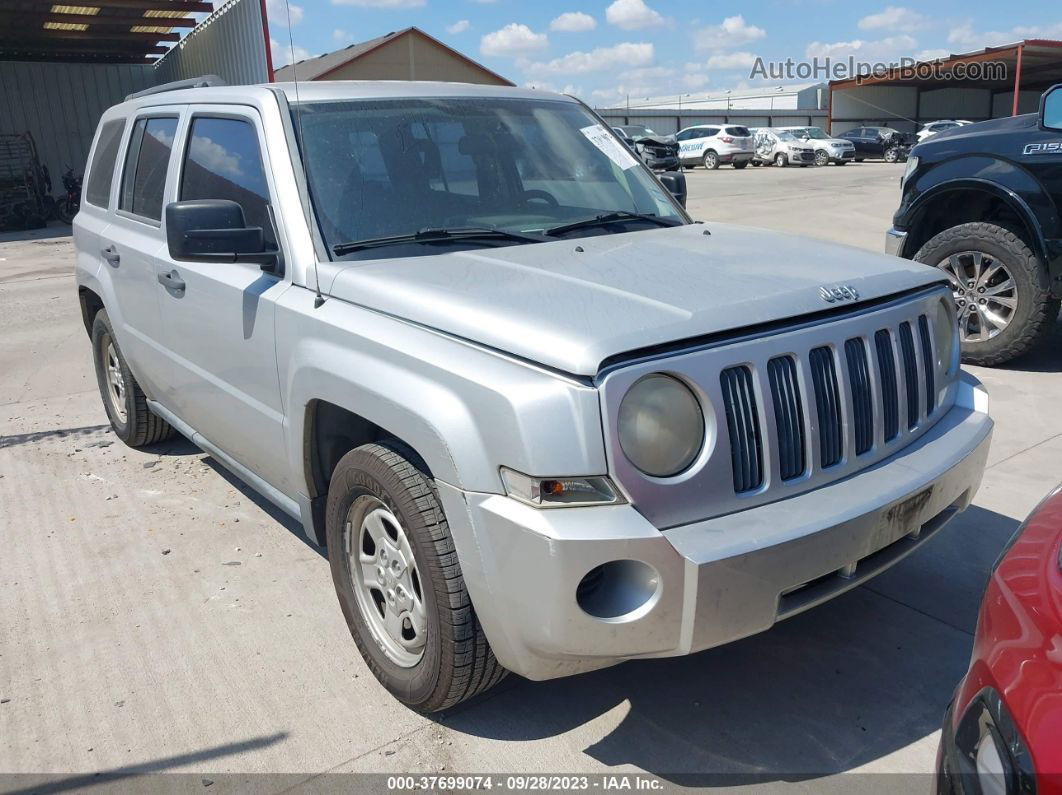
387	584
986	294
115	381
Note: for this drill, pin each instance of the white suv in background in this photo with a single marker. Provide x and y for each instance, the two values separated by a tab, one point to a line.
935	127
827	149
712	144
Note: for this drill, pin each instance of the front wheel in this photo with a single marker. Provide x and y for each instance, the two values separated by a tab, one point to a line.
399	582
822	158
65	210
892	155
1001	289
780	160
711	160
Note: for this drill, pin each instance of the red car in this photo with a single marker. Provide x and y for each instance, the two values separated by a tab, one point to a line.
1003	731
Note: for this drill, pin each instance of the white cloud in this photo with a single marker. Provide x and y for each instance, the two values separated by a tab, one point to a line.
278	13
732	32
632	15
513	40
887	49
966	38
732	60
341	35
894	18
628	55
380	3
932	55
573	22
215	157
283	54
459	27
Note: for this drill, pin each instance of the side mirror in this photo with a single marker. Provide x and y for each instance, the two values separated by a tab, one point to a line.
214	230
675	182
1051	108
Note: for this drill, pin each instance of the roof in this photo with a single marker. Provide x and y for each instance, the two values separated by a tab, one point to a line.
322	65
1041	68
100	31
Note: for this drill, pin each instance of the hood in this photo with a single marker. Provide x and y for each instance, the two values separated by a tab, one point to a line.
569	309
659	140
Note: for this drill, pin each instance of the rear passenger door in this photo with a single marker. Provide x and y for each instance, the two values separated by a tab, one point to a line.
219	328
130	244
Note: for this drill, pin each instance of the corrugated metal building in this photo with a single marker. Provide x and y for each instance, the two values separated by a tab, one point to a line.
409	54
61	66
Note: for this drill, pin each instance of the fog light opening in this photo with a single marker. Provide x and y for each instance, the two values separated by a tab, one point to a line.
620	590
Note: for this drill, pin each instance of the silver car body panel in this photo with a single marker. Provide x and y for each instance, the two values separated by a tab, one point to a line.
516	357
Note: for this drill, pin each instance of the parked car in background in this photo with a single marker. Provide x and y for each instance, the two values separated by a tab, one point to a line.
712	144
981	203
935	127
781	148
494	406
659	152
827	149
885	143
1002	732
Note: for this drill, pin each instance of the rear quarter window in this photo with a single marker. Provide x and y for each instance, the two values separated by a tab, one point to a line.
739	132
101	169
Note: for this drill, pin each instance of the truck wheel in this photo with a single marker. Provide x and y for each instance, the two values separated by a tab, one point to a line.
710	160
131	419
1001	288
822	157
780	160
399	582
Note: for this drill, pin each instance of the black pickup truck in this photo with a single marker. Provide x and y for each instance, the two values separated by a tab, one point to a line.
982	202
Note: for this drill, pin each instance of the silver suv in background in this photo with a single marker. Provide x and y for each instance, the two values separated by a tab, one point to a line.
827	149
781	148
710	145
539	420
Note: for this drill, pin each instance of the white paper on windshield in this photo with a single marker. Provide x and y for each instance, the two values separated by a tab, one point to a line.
608	143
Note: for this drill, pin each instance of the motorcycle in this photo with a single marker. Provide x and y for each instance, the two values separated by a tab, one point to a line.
66	208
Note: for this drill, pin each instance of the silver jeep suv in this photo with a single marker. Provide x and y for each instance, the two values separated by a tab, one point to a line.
541	420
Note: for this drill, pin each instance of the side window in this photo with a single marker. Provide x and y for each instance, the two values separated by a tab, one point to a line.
682	136
223	161
709	132
101	169
144	178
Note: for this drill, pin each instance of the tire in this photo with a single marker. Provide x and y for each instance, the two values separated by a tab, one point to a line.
740	165
822	157
841	163
65	211
124	401
1032	317
455	661
781	160
858	159
892	155
710	160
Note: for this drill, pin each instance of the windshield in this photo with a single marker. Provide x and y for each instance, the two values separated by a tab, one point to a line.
785	135
812	132
387	168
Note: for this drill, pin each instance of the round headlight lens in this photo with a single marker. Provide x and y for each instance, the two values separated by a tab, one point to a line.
661	427
945	332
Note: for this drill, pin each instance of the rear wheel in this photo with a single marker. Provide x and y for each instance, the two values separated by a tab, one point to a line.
124	401
1000	286
822	158
399	582
710	160
740	164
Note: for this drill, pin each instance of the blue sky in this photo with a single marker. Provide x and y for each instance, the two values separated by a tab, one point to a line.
608	49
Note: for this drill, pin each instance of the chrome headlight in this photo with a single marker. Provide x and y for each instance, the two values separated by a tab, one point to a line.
661	427
946	334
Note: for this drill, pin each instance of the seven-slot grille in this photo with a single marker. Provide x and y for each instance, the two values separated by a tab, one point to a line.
849	392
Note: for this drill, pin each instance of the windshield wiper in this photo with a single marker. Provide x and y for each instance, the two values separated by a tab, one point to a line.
609	218
435	235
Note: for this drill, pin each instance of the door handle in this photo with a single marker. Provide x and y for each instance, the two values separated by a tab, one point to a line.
172	281
111	255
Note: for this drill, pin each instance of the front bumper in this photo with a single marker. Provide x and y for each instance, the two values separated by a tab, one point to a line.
718	580
842	155
662	163
894	240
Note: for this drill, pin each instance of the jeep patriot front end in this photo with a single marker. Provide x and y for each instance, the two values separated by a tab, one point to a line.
541	420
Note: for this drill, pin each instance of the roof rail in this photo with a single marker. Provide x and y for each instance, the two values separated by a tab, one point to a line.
206	81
